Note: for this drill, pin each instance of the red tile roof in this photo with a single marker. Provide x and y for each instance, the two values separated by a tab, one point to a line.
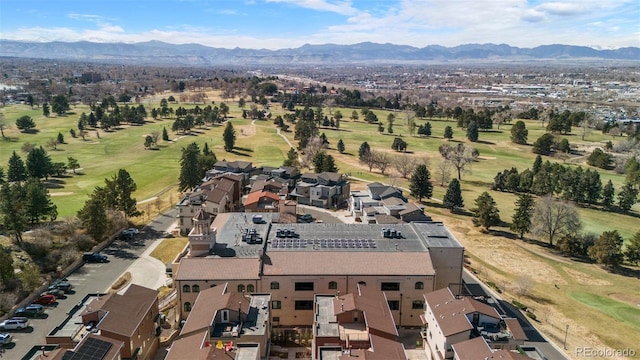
450	312
126	311
256	196
208	303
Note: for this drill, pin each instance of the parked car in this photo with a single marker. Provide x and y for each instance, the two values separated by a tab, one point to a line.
128	233
15	323
52	290
5	338
92	257
32	311
46	299
306	218
62	285
133	231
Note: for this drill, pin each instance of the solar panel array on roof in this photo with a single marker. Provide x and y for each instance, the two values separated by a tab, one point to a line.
324	243
92	349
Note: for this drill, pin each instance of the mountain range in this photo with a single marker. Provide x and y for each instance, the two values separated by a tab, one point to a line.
161	53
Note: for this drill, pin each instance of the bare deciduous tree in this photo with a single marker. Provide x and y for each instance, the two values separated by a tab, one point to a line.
404	165
444	171
554	218
459	156
524	283
314	146
382	160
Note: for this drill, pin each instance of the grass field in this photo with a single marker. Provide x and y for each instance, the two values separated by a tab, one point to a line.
588	297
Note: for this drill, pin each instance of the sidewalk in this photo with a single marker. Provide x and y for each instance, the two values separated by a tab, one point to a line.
147	271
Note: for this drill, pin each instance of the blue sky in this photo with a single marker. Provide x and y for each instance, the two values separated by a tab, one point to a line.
277	24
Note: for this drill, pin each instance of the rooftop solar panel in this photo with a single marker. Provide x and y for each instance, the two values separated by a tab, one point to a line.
92	349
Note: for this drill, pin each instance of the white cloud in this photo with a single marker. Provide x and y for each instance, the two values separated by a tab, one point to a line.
340	7
605	23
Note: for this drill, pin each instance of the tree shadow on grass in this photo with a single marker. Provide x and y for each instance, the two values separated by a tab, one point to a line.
240	153
242	149
625	271
504	234
10	139
54	184
485	142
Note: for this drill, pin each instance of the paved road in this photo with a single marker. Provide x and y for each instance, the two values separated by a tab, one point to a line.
92	278
550	350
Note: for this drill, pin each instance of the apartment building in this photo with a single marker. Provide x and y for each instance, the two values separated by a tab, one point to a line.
294	262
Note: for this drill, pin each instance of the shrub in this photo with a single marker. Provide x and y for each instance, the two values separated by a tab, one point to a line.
519	305
495	287
532	316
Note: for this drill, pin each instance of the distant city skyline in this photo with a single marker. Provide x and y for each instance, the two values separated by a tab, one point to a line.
279	24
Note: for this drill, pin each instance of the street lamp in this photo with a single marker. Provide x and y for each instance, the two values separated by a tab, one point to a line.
565	337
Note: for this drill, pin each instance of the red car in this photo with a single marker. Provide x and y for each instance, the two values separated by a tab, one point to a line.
47	299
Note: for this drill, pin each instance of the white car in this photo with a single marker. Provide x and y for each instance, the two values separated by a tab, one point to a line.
5	338
15	323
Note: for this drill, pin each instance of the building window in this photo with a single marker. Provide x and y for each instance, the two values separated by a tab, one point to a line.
390	286
275	285
186	288
304	305
304	286
419	285
417	304
276	304
240	288
250	288
333	285
276	319
195	288
362	283
187	306
394	304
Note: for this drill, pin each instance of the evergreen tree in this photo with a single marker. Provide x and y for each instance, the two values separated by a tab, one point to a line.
38	204
318	162
165	135
543	145
427	129
292	158
60	138
190	173
340	146
448	132
632	250
519	133
453	197
45	110
7	272
486	213
473	132
93	217
607	195
537	164
125	187
12	210
329	164
364	150
627	197
73	164
229	137
39	164
420	183
521	220
16	170
608	249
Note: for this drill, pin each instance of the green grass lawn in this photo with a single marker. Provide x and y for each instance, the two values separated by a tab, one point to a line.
615	309
156	170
